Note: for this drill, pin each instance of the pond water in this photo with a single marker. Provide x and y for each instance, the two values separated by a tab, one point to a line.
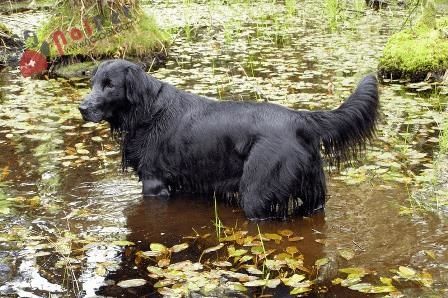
72	224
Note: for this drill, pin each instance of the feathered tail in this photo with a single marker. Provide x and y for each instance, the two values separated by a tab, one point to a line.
345	130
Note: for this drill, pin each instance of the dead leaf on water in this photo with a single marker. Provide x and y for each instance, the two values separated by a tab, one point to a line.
130	283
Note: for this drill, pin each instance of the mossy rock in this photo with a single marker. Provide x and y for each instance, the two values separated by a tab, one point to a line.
10	48
415	52
134	37
16	6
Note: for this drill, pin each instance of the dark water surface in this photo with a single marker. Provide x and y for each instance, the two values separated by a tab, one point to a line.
64	204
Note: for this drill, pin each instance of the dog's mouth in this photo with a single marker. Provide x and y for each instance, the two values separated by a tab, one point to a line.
91	116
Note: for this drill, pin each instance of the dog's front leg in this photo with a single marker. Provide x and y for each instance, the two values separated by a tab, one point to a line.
153	187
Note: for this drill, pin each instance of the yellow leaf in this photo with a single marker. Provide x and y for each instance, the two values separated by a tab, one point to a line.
179	247
347	254
272	236
386	280
406	272
255	283
320	262
213	248
431	254
123	243
425	278
157	247
337	281
286	233
294	239
291	250
163	262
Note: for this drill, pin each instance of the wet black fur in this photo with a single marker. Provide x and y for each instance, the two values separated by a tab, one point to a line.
268	154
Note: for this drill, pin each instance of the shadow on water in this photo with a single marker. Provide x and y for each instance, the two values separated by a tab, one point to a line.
68	216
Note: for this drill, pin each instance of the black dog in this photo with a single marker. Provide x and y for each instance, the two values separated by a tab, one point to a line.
267	155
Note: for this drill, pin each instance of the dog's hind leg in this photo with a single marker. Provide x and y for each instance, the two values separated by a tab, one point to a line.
153	187
268	180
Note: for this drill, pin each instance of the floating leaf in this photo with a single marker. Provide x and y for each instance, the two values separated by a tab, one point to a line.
355	271
186	266
235	252
272	283
425	279
255	283
100	270
155	270
254	271
222	264
274	264
130	283
431	254
337	281
149	253
83	151
321	262
294	280
276	237
406	272
296	264
163	262
234	237
163	283
350	280
236	286
347	254
157	247
123	243
369	288
179	247
291	250
386	280
302	288
245	258
257	250
286	233
213	248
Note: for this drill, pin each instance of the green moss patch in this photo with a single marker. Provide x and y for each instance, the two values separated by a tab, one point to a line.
130	34
5	30
414	52
138	36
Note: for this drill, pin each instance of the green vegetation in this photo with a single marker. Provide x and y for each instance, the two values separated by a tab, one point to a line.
414	52
434	193
4	30
135	35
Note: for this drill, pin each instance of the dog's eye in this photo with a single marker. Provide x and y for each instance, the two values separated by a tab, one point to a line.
107	83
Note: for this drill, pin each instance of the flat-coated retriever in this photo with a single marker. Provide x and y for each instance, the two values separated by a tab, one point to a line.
266	155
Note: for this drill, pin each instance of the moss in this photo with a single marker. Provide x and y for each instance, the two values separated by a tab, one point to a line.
414	52
4	29
142	38
75	70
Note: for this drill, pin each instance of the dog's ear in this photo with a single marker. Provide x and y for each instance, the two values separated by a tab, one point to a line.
139	86
135	82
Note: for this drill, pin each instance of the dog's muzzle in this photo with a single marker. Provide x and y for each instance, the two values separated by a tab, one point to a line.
89	113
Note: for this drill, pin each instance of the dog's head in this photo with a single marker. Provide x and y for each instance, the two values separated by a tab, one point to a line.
119	88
